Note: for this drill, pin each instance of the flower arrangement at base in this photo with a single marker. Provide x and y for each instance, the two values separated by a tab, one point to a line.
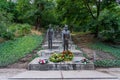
67	55
59	57
85	61
56	57
43	61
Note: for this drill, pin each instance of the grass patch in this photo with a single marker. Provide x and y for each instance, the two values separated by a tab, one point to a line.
109	49
13	50
106	48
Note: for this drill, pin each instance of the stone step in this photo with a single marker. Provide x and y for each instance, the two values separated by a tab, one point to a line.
64	75
58	46
54	46
56	42
49	52
68	65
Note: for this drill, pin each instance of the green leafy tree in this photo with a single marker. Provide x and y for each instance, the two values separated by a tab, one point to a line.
39	12
22	6
73	13
5	21
110	24
94	8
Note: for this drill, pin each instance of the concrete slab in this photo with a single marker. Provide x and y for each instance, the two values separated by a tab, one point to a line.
87	74
63	75
90	79
38	75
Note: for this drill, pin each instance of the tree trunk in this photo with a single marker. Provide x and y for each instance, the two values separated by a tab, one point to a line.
96	31
97	3
38	24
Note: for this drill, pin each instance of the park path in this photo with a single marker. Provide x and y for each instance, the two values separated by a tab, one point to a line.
7	73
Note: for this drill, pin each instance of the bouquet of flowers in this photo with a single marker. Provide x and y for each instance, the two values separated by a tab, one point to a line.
56	57
59	57
85	61
67	55
43	61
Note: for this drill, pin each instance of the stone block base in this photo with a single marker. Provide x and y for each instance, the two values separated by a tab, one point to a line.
70	65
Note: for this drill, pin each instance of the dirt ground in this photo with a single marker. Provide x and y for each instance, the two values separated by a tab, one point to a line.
1	40
35	32
22	63
82	42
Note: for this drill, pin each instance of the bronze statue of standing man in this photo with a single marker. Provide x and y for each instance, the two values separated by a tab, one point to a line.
66	37
50	36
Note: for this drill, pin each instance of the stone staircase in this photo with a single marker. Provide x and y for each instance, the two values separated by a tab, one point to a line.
58	48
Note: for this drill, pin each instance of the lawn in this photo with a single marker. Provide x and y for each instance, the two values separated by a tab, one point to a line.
106	48
13	50
114	51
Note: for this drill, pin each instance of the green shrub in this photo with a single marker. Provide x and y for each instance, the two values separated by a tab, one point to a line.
24	29
110	35
110	25
20	29
7	35
13	50
14	30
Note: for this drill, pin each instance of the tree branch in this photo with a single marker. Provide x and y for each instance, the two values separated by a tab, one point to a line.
98	7
89	9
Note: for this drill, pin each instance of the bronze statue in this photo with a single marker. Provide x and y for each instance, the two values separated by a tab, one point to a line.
50	36
66	37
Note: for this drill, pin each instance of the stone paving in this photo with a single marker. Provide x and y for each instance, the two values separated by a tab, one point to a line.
8	73
64	75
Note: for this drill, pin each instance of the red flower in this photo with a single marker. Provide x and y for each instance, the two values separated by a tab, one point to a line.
84	60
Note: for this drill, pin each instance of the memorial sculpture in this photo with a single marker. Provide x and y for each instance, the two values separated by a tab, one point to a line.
57	32
50	36
66	38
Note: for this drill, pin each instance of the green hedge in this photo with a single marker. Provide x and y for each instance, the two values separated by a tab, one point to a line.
13	50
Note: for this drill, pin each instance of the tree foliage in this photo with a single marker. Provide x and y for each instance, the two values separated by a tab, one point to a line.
72	12
101	17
